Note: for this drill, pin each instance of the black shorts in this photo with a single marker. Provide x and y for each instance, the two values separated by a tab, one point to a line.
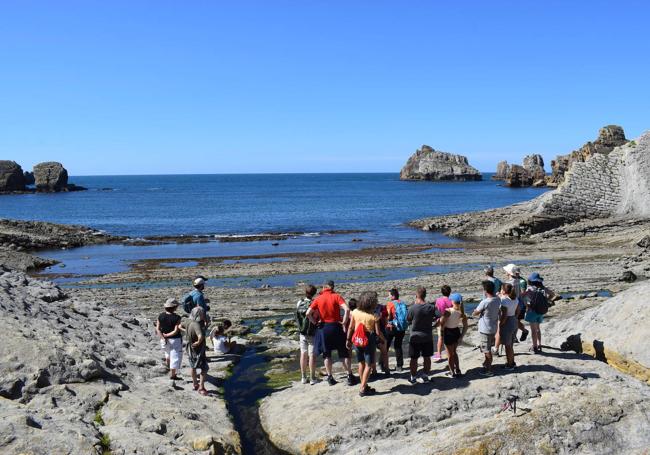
330	337
451	336
420	348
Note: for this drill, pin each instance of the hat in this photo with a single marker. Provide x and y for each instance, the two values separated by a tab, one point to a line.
171	303
534	277
488	269
456	297
511	269
198	281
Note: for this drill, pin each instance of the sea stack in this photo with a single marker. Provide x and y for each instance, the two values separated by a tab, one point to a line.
429	164
531	173
50	177
11	177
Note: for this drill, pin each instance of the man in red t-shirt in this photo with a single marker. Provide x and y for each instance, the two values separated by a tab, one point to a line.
330	335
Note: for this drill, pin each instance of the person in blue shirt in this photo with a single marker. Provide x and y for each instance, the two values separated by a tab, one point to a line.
198	299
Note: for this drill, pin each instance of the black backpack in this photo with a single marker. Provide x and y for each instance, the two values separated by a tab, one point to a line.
305	326
538	301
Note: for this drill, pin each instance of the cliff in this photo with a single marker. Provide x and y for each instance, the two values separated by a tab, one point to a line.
429	164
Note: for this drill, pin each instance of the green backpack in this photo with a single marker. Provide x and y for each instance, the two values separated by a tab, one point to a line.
305	326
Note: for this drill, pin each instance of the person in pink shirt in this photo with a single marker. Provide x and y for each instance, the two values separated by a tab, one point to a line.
442	304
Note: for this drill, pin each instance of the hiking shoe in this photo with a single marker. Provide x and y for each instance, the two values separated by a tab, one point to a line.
510	367
351	379
412	380
524	335
367	391
485	372
422	379
331	380
436	357
304	380
314	381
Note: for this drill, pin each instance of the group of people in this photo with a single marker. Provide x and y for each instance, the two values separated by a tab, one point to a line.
170	328
328	324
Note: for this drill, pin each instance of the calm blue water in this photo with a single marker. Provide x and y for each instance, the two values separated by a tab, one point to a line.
141	206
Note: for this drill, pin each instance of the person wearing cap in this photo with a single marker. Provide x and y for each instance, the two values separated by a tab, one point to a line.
537	300
330	335
451	332
519	285
196	297
196	348
168	328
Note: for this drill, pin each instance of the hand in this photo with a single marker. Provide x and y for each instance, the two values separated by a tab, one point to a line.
348	344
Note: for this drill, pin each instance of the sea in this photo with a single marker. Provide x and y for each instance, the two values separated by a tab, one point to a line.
318	210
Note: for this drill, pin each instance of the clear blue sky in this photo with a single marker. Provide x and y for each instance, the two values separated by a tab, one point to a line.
130	87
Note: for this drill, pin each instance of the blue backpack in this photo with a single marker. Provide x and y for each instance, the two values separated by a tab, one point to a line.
188	303
399	322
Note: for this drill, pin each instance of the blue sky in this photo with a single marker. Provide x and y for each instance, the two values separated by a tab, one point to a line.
153	87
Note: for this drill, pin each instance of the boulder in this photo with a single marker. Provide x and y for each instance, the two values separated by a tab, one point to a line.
609	137
11	176
429	164
50	176
503	168
29	178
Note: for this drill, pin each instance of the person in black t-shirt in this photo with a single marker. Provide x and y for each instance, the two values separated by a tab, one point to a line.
422	317
168	328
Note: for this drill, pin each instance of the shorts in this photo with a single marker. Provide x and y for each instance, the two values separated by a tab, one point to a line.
533	317
420	348
198	360
367	354
451	336
330	337
173	348
487	342
307	344
508	331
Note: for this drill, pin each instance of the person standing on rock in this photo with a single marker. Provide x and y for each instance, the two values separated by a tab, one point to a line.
488	312
508	323
196	297
330	335
421	317
196	348
364	329
451	333
537	300
168	327
442	304
397	325
306	329
519	285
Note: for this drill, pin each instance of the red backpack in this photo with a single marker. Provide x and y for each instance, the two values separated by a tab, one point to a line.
359	337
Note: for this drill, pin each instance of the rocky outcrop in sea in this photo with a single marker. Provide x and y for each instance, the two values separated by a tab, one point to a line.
11	177
429	164
48	177
531	173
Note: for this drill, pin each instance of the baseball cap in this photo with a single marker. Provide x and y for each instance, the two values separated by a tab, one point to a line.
511	269
456	297
198	281
535	277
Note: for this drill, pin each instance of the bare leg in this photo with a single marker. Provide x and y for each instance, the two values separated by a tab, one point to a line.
312	366
510	355
450	358
488	361
413	366
364	374
347	363
427	365
202	383
439	347
193	373
328	366
303	364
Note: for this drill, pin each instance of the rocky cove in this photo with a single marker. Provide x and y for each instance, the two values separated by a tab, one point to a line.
81	370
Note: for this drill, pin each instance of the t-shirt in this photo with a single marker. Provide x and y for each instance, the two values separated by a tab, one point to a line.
194	330
367	319
328	304
442	303
199	300
220	343
382	313
489	320
510	305
497	283
421	317
519	285
168	322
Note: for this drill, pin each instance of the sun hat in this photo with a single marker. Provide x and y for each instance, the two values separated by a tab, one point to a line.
535	277
171	303
456	297
198	281
511	269
488	269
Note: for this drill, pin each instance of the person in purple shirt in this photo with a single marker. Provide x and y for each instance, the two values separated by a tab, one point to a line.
442	304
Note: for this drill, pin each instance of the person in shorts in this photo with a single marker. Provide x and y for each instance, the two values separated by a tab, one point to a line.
330	335
519	285
396	327
451	333
306	329
535	319
196	348
488	312
421	317
168	328
508	322
443	303
364	316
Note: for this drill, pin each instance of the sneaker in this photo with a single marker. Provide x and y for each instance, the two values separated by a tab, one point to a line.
524	335
331	380
422	379
367	391
314	381
436	357
459	374
412	380
495	351
485	372
351	379
304	380
399	369
510	367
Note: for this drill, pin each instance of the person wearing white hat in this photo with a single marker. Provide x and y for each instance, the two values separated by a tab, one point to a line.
168	328
196	298
519	285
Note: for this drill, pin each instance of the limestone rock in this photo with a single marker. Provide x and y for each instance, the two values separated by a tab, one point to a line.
11	176
503	169
429	164
50	176
609	137
518	177
534	164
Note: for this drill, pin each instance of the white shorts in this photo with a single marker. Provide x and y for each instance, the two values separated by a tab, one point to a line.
174	352
307	344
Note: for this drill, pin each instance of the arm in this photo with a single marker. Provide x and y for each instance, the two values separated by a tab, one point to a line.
379	334
176	330
443	320
158	332
350	332
503	315
462	335
479	309
198	341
